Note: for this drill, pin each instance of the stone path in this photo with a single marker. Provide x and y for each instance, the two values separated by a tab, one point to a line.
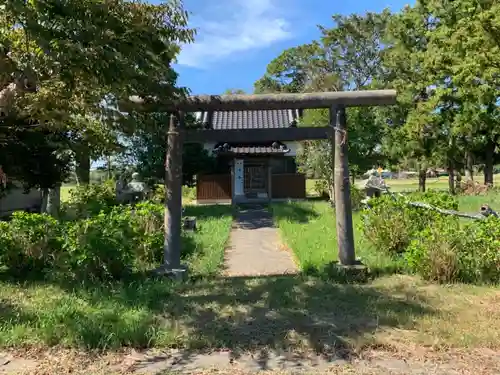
255	248
484	362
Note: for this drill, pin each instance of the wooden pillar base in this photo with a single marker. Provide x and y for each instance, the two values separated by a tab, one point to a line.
353	273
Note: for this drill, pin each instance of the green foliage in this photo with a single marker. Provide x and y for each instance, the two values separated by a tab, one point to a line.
30	242
100	247
434	254
188	194
391	224
89	200
59	64
387	226
321	187
357	196
437	247
108	245
448	252
148	147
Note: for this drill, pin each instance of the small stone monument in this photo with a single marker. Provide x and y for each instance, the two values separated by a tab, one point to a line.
135	191
374	186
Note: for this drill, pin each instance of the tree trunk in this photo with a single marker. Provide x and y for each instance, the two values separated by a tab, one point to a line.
469	162
451	179
109	167
488	163
422	176
51	201
82	159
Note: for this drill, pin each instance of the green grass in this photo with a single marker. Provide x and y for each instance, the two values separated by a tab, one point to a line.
129	313
297	314
214	225
309	229
402	185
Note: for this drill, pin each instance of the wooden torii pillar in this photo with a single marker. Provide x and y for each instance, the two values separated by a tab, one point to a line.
336	102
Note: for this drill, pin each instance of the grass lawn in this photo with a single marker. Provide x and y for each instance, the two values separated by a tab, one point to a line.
420	314
138	313
400	315
400	185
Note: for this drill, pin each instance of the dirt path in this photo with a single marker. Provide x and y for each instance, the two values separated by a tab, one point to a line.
255	247
476	362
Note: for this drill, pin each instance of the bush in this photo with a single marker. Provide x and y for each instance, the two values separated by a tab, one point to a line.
435	253
30	243
480	260
88	200
438	247
357	196
147	222
387	225
101	247
448	252
391	224
158	195
108	245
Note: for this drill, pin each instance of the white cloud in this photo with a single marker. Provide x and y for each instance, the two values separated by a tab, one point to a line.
232	27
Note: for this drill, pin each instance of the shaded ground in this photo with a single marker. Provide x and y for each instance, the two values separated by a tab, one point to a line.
254	246
276	324
291	323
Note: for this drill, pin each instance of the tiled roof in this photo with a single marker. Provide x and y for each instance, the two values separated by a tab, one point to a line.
261	119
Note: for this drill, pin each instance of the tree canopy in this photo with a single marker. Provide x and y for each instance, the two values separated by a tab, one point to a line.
442	57
63	65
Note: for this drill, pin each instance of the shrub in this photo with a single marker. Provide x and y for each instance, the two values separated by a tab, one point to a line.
435	253
438	247
101	247
88	200
30	242
321	188
158	195
357	196
448	252
480	260
189	193
387	226
391	224
108	245
147	222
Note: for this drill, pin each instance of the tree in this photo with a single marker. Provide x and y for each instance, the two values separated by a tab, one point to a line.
294	70
442	52
60	61
146	149
467	38
347	57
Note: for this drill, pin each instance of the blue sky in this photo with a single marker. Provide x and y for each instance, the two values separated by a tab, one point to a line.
236	39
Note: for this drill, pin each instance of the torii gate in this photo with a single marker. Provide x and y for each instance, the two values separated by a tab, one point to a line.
336	102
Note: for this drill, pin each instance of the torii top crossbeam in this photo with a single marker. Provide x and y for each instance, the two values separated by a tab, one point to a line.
275	101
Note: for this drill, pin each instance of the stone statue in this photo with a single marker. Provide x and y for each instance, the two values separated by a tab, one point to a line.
374	186
135	191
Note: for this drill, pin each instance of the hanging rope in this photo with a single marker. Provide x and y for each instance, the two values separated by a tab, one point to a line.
344	135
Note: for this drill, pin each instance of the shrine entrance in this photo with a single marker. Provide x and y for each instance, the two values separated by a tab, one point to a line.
256	180
336	130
